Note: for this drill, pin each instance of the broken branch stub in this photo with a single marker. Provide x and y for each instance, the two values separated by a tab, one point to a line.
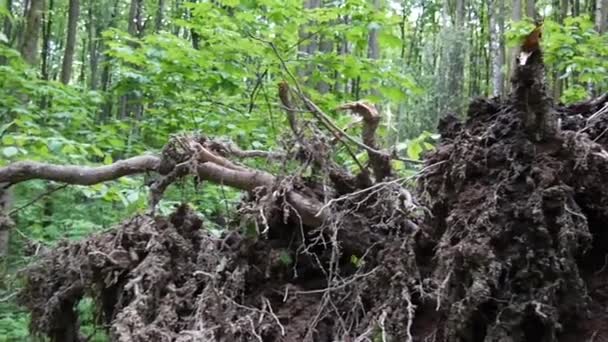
380	161
530	95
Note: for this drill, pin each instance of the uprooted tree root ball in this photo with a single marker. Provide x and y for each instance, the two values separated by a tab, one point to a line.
167	279
510	246
518	227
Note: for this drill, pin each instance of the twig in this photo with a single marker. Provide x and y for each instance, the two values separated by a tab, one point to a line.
39	197
341	286
376	186
255	91
7	298
300	93
269	306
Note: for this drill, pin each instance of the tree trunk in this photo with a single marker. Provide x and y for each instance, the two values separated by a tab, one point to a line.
531	9
127	106
497	24
576	8
601	15
106	75
516	15
31	34
93	44
373	44
561	15
308	43
564	9
453	57
159	15
135	18
47	18
7	27
5	222
70	42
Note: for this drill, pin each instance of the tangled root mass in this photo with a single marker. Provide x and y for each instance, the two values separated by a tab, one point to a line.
512	246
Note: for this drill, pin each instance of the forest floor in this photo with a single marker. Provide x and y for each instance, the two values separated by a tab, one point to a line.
504	239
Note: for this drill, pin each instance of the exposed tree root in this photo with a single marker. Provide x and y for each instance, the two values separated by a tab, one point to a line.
506	243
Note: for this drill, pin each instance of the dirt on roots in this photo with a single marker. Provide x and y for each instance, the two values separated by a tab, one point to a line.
505	241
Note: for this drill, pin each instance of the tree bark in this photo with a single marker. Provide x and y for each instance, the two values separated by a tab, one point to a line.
160	15
308	43
47	17
93	45
373	43
7	26
531	9
128	102
31	34
561	15
497	24
309	209
6	223
70	43
452	59
601	15
516	15
106	75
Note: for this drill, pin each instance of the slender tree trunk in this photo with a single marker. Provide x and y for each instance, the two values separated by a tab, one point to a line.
93	44
31	35
564	9
70	42
135	29
601	15
373	45
194	36
497	24
159	16
516	15
453	58
47	18
531	8
309	45
7	27
6	224
557	81
106	75
576	7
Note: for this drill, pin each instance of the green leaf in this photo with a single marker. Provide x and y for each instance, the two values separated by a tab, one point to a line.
230	3
414	149
389	40
107	159
10	151
285	258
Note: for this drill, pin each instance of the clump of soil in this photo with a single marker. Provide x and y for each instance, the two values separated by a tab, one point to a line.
505	242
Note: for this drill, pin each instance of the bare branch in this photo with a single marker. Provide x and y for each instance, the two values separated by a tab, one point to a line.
289	108
306	207
380	162
80	175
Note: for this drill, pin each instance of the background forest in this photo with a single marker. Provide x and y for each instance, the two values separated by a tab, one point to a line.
94	81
